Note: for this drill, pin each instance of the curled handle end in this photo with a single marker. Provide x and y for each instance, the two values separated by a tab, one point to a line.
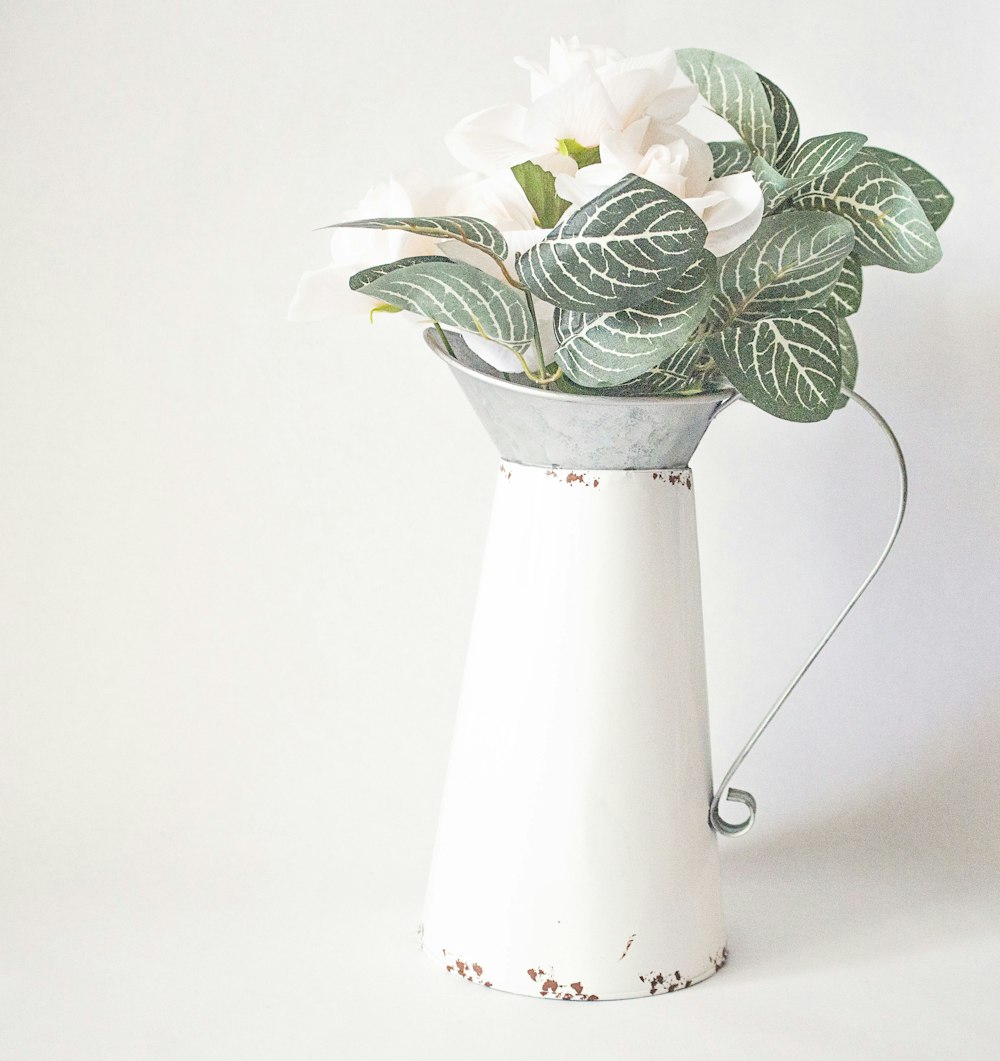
733	795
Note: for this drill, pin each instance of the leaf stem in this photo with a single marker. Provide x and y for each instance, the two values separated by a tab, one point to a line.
444	339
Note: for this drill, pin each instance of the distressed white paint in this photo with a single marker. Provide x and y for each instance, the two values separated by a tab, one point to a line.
574	837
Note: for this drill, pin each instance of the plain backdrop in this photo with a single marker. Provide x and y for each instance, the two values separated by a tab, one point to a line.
238	557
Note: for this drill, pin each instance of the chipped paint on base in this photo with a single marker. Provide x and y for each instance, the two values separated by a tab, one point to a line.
676	981
544	983
471	971
551	988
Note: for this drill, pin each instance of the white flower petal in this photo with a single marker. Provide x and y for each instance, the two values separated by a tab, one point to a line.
500	357
580	109
673	104
491	140
735	219
325	292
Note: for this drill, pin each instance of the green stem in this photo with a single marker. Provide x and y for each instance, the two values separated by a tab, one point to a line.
444	339
542	379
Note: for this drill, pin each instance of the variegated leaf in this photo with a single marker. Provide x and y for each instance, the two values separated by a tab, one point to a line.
786	123
366	276
790	263
616	252
771	182
471	230
734	91
729	157
845	298
821	154
932	195
608	349
848	358
788	366
457	295
890	225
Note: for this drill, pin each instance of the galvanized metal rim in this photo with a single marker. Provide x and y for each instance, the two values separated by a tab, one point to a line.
597	399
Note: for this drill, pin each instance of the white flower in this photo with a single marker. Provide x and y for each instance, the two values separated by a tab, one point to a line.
585	93
670	156
325	292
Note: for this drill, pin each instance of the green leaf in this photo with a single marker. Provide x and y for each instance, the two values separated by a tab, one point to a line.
366	276
771	182
582	156
845	298
890	225
617	251
470	230
608	349
539	187
734	91
824	153
932	195
457	295
790	263
848	358
788	366
729	157
681	373
786	122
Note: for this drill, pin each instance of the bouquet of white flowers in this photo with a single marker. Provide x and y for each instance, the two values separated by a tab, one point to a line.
644	226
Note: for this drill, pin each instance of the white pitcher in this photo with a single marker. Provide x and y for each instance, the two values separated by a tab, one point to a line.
576	854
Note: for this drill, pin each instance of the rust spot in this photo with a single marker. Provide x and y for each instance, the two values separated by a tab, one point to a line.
473	972
574	477
678	477
659	982
551	474
504	470
628	943
575	991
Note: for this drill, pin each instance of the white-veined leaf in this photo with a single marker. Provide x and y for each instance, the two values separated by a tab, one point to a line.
891	228
373	272
616	252
471	230
821	154
609	349
788	366
845	298
786	123
848	358
458	295
932	195
729	157
771	182
734	91
790	263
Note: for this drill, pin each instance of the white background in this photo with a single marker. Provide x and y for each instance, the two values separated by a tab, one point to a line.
238	557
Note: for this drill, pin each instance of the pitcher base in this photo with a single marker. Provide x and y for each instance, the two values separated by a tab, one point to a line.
538	983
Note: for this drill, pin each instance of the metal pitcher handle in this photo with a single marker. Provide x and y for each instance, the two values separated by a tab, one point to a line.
738	795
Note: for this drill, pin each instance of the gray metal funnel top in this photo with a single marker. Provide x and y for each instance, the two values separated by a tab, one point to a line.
549	429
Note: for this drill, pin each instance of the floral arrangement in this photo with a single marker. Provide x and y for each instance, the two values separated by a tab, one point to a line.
642	226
